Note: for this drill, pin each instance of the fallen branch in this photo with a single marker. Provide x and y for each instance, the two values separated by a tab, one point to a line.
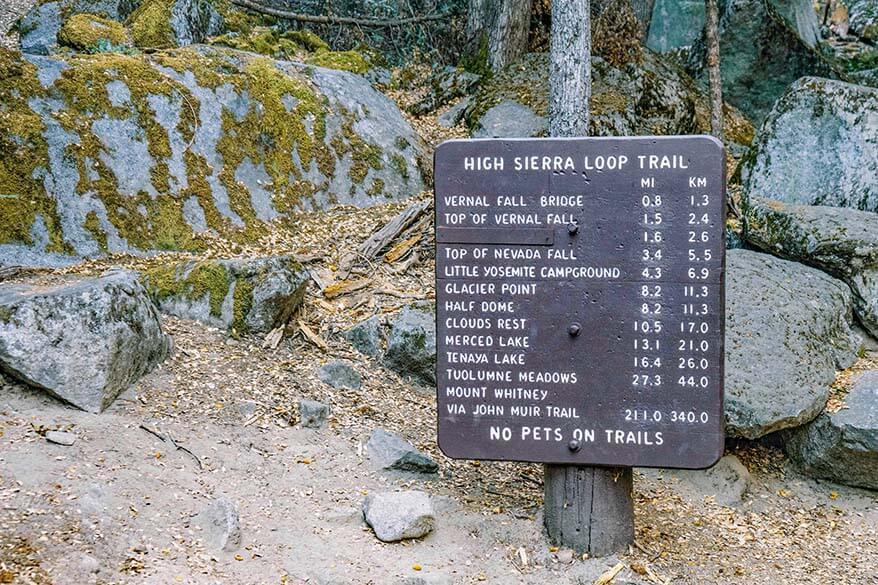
331	19
10	271
382	238
171	440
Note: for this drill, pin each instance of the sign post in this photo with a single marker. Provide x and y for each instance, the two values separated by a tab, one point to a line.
580	315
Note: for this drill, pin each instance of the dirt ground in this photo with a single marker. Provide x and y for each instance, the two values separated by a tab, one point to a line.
116	506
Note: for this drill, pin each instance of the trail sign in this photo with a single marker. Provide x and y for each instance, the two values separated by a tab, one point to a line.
579	300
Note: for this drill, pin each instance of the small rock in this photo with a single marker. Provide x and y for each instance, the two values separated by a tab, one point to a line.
313	414
61	438
393	453
396	516
221	528
453	115
726	482
842	446
366	336
339	374
564	556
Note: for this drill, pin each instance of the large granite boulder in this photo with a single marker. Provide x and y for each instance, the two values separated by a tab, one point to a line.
787	331
842	242
38	29
842	446
864	18
241	295
818	146
85	341
650	95
119	153
765	46
411	343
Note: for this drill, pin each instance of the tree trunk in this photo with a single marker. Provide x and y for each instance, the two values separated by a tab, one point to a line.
497	32
569	68
711	31
588	509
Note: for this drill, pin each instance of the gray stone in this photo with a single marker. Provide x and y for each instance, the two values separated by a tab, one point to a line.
726	482
765	45
818	146
675	24
842	446
840	241
787	330
347	144
312	414
61	438
243	295
379	77
510	120
453	115
83	342
447	84
219	524
366	336
39	29
397	516
411	343
864	18
192	21
391	452
339	374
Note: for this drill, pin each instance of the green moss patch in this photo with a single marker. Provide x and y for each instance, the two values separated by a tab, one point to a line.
207	278
344	60
87	32
150	25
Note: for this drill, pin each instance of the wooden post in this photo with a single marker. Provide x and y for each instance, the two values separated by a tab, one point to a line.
588	509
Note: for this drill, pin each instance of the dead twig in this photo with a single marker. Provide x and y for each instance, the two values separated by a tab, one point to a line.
175	444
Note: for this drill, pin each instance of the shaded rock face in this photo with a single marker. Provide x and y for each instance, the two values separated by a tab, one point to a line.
396	516
366	336
787	330
842	242
39	27
117	153
242	295
411	343
818	146
391	452
83	342
765	45
675	24
842	446
650	97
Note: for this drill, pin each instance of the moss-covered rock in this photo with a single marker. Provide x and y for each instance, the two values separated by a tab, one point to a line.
842	242
39	28
163	24
87	32
243	296
130	153
343	60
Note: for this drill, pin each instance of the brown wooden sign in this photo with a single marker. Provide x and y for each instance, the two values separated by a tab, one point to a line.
579	300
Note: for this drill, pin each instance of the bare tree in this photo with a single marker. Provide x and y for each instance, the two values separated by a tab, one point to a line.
497	32
588	509
711	32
